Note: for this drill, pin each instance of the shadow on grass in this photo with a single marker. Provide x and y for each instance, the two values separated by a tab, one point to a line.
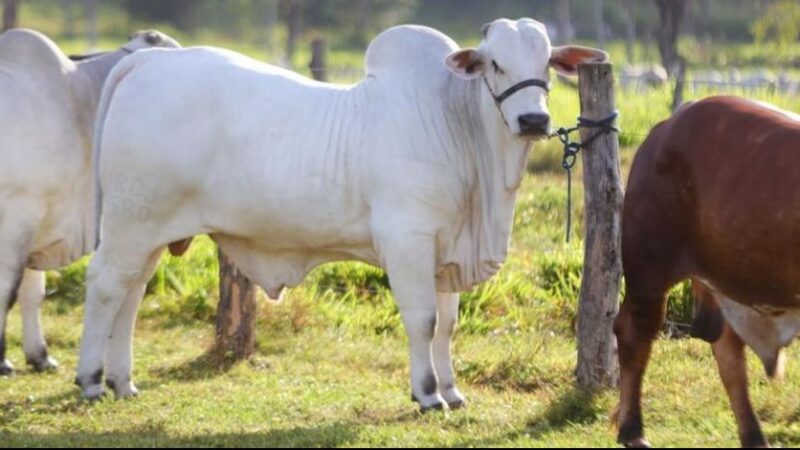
210	364
575	406
325	435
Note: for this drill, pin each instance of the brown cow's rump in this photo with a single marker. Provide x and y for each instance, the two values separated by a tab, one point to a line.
713	194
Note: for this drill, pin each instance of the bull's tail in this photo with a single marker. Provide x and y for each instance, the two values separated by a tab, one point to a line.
114	79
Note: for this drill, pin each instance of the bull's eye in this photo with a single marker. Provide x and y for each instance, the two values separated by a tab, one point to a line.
497	68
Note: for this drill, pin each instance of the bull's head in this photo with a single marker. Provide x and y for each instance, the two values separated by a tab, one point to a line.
149	38
513	60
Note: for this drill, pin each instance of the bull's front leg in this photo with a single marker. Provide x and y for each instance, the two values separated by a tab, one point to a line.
31	295
409	260
14	238
442	359
9	284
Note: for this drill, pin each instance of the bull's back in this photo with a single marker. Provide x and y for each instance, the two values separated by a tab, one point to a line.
718	180
209	130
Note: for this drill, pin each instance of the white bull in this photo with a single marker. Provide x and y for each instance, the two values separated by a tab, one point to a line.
414	169
47	217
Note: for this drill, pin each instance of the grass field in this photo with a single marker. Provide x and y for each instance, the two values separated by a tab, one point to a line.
332	365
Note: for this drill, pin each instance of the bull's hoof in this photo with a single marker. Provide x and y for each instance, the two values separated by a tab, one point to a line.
455	400
458	404
639	442
123	390
47	364
431	408
6	369
93	392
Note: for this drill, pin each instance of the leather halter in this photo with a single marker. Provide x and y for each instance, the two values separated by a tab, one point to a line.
499	99
518	87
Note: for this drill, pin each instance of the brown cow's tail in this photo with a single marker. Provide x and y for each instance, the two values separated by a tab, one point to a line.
122	69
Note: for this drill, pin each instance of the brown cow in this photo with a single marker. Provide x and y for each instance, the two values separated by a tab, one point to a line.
713	195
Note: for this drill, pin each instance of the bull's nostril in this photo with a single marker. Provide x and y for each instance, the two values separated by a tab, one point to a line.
534	123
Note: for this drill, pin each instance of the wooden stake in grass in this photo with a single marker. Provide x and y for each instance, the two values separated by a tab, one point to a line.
602	268
236	313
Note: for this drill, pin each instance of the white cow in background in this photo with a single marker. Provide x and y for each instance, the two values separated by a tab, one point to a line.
48	105
414	169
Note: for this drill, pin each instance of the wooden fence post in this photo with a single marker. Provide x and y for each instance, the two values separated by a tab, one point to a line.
319	60
10	14
236	313
602	267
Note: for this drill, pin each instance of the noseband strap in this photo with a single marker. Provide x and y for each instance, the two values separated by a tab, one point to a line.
518	87
498	99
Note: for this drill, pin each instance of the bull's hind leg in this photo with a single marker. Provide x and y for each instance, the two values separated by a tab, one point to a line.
31	295
638	324
446	324
9	284
729	352
119	355
112	275
15	236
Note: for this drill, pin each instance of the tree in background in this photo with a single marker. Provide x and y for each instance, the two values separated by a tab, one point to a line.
355	21
564	29
352	22
599	23
292	13
629	13
68	16
91	23
180	13
10	14
672	13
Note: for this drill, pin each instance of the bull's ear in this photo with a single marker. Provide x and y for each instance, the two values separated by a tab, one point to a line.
468	63
565	59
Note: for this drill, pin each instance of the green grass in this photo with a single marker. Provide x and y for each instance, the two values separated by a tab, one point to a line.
332	366
315	383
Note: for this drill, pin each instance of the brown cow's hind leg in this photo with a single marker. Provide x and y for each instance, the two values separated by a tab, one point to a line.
637	325
729	352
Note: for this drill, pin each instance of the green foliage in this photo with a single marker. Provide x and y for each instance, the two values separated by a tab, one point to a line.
354	21
66	288
680	308
781	23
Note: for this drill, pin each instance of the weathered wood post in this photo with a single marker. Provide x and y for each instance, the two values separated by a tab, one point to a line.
319	60
236	313
602	266
10	14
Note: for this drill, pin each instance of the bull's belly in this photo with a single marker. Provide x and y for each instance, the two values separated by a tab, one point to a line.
762	325
46	226
60	244
275	269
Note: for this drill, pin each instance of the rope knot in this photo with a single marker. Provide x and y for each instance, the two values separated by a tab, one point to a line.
571	150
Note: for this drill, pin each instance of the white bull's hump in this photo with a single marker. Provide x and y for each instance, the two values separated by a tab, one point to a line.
22	47
408	49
